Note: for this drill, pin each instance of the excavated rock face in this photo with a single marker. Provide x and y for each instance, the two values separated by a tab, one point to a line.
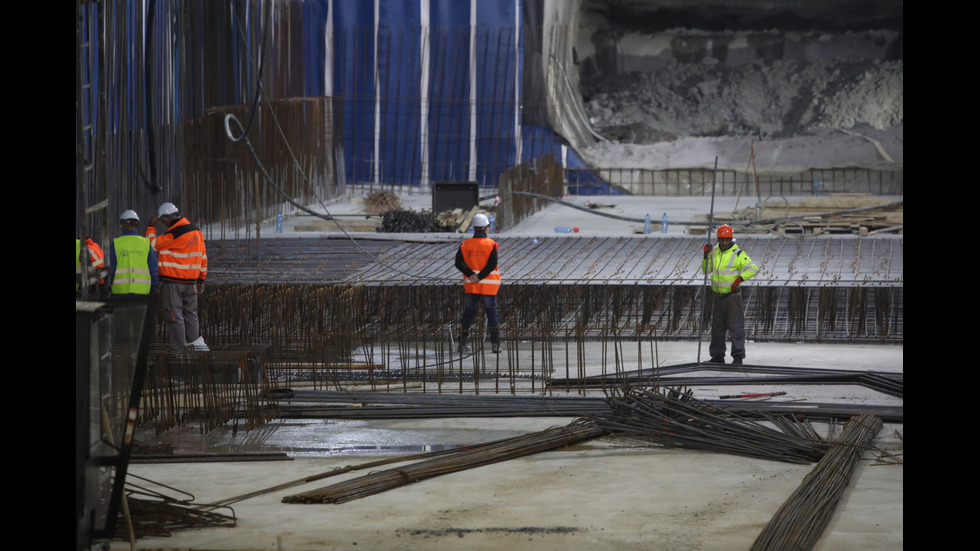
661	70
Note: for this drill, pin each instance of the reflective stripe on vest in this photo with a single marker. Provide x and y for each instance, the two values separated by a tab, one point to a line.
132	267
182	254
724	269
476	253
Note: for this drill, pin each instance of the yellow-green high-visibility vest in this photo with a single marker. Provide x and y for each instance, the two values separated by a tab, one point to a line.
132	268
725	266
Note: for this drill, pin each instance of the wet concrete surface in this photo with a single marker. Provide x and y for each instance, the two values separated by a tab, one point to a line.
606	493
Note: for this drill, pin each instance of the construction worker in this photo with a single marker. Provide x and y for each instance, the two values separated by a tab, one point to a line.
728	266
97	260
183	266
476	258
132	261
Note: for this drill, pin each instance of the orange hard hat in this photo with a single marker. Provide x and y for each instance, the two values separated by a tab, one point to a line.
725	231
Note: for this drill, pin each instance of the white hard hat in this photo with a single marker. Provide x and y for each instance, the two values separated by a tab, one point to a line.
129	215
167	208
480	221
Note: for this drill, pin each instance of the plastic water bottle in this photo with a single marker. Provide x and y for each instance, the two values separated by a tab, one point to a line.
663	223
279	223
563	229
646	224
493	220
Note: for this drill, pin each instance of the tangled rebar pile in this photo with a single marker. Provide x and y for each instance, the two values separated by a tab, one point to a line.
156	511
801	520
674	418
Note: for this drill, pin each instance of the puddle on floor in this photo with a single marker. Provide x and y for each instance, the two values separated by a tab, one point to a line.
316	439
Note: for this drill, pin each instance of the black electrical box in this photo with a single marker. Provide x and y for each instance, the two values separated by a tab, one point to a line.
454	195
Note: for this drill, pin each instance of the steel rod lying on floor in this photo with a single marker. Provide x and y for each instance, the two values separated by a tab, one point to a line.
467	458
672	418
800	522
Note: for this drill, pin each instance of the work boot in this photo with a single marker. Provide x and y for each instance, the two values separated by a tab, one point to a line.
737	361
495	348
463	347
715	360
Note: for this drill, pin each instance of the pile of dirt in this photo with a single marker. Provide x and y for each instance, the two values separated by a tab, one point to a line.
769	100
382	201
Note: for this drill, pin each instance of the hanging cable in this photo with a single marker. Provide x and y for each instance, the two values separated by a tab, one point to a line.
243	138
267	17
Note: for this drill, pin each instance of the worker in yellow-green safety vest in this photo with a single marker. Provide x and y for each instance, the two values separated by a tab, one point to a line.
728	267
132	261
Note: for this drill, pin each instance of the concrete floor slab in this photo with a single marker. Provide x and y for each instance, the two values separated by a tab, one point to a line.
607	493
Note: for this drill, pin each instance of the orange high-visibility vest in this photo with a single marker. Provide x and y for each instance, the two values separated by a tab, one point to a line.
476	253
182	255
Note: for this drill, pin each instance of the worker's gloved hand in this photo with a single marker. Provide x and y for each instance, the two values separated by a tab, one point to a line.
475	278
736	283
707	249
200	287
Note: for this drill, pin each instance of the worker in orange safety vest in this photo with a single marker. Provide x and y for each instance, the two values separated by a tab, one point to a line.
97	263
182	268
476	259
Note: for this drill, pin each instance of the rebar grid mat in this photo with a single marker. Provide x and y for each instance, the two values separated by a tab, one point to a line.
326	323
457	460
208	388
801	520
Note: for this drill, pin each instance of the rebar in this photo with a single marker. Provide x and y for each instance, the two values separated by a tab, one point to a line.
465	458
801	520
672	417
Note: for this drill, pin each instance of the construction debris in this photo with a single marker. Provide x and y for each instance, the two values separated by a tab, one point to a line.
408	221
840	213
459	220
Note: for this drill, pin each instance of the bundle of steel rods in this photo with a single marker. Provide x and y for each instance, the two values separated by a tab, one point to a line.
673	418
465	458
801	520
379	405
884	382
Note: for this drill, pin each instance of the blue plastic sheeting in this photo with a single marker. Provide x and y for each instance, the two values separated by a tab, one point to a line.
539	141
582	181
428	96
437	96
434	96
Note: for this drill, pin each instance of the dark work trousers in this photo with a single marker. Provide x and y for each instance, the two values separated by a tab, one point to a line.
180	313
727	316
470	306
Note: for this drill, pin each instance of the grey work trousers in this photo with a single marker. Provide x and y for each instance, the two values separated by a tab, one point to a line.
727	316
180	313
